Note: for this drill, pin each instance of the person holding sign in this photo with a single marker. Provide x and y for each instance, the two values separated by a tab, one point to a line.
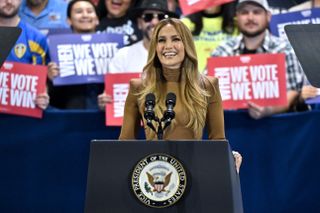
31	46
148	14
172	68
82	18
210	27
253	17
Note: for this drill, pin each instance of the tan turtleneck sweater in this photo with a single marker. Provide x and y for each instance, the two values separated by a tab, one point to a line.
133	113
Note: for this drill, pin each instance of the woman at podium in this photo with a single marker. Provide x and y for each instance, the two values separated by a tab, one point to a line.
172	69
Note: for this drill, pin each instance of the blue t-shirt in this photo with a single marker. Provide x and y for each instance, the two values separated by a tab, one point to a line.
31	46
54	15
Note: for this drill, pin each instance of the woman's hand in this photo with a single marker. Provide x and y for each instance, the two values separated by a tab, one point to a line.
42	101
238	160
104	99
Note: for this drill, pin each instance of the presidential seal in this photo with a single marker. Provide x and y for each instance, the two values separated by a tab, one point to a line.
159	180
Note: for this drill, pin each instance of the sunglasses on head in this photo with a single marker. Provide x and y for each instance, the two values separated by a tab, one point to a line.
147	17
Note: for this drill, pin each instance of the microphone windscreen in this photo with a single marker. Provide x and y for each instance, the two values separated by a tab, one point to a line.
150	97
171	97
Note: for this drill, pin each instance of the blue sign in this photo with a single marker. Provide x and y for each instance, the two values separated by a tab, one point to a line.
300	17
83	58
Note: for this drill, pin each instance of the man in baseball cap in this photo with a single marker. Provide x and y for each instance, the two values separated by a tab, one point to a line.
156	5
148	13
253	18
262	3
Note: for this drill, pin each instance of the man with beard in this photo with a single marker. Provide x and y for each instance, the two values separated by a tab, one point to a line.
31	46
134	57
44	14
253	17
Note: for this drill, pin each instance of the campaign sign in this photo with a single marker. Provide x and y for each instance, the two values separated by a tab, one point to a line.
83	58
117	85
19	85
315	100
258	78
192	6
278	22
55	31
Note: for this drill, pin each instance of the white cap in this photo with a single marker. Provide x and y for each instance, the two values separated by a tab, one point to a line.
263	3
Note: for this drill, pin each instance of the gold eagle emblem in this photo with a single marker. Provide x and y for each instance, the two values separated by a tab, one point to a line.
158	183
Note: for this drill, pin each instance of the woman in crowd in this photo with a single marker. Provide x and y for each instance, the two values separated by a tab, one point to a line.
210	27
114	18
82	18
172	67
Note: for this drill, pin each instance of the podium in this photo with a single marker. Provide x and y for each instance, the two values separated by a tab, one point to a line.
208	181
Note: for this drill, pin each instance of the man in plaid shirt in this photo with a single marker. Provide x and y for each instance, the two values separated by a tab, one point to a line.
253	17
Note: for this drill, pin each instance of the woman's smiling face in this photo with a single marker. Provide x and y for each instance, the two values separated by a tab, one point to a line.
170	48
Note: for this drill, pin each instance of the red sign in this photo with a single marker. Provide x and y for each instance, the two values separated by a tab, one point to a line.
192	6
19	85
258	78
117	85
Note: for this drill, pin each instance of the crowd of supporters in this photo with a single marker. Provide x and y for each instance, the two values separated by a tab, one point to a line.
238	27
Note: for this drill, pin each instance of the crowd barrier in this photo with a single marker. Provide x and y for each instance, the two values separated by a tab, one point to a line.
44	161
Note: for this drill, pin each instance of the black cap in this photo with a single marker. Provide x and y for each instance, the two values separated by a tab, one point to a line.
159	5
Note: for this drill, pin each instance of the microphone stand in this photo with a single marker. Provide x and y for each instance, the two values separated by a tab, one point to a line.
160	129
167	123
149	123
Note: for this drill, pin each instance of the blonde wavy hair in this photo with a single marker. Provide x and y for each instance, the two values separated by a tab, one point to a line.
193	95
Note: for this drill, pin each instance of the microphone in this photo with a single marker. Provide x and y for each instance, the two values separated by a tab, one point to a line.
169	114
149	113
